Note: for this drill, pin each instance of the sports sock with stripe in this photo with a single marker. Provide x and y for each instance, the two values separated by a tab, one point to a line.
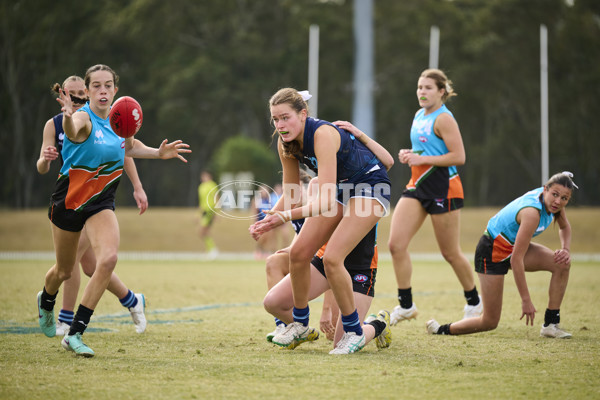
352	323
301	315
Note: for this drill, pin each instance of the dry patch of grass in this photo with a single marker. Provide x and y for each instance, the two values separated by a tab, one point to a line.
176	229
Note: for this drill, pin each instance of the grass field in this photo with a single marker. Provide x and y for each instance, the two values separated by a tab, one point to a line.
205	337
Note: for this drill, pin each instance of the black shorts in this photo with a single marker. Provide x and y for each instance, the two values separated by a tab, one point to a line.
363	279
436	206
73	221
483	258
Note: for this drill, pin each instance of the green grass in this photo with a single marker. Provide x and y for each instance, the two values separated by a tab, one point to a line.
205	340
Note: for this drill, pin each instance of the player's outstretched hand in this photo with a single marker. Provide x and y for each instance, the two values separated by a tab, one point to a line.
173	149
66	104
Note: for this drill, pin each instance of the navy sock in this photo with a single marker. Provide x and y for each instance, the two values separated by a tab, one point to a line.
129	300
66	316
279	322
81	320
47	301
551	317
352	323
405	298
301	315
472	297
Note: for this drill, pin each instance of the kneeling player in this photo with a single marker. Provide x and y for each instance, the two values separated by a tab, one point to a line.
361	265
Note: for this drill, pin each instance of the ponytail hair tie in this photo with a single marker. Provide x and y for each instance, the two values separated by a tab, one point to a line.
305	95
570	175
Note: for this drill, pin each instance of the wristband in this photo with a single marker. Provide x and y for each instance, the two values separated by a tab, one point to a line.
284	216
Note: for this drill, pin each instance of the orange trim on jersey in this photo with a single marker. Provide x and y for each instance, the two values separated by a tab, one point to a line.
418	173
501	250
85	185
455	188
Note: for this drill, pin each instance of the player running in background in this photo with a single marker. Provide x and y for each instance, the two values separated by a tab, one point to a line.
506	244
207	191
52	144
434	189
75	203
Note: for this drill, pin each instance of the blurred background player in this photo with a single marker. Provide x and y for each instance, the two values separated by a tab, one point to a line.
266	244
282	234
52	144
506	244
207	198
434	189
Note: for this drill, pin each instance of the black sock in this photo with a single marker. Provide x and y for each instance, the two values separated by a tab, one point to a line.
378	325
48	300
472	297
551	317
80	320
444	330
405	298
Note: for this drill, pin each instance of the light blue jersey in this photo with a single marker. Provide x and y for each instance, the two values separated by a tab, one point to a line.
93	167
428	181
503	227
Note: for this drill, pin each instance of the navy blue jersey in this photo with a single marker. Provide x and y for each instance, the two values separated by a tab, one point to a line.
354	159
59	135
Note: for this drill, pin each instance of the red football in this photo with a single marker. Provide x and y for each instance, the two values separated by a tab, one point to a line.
126	116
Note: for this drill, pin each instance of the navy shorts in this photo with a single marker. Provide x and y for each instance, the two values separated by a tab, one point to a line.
73	221
363	279
436	206
375	184
483	258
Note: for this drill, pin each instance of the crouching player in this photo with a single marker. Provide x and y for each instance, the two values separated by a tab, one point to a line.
361	265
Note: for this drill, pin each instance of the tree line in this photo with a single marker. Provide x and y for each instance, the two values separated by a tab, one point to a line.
204	71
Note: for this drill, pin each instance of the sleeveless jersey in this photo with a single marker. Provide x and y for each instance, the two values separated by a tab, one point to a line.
503	227
59	135
354	159
428	181
92	169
